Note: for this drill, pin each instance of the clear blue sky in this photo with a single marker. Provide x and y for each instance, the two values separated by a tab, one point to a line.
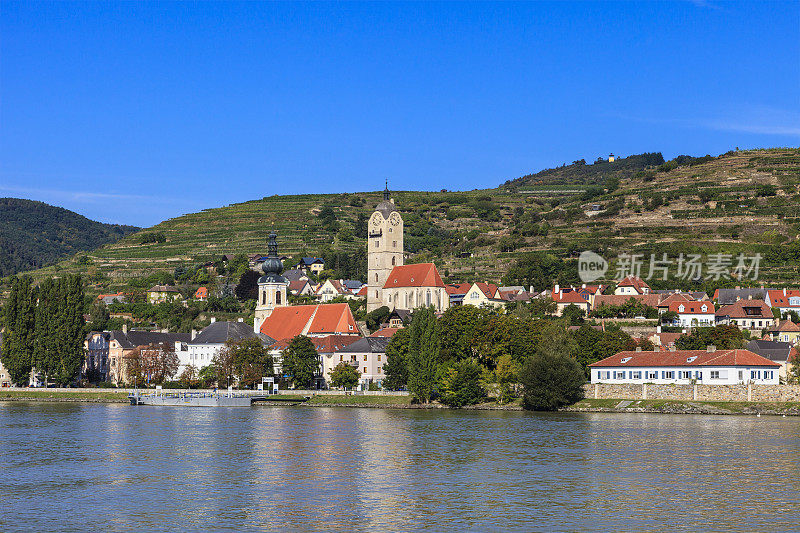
135	113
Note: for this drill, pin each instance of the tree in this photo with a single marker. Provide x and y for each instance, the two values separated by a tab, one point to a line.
506	374
251	361
794	369
247	289
457	329
345	375
725	337
154	363
17	348
377	317
99	315
423	354
224	367
573	314
188	377
461	385
551	377
301	361
396	367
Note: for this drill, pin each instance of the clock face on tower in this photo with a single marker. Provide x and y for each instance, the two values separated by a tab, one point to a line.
376	219
394	219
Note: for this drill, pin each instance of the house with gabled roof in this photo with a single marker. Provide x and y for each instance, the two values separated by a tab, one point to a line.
746	314
483	294
782	353
785	300
163	293
301	287
631	285
729	296
311	264
785	331
201	294
332	288
685	367
417	285
693	314
564	298
368	355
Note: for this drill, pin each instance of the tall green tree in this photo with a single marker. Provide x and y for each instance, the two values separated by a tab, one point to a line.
423	355
251	361
17	348
396	367
345	375
46	346
71	328
551	377
461	383
301	361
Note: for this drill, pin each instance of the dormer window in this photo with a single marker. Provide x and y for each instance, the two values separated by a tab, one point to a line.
690	359
704	308
624	360
681	308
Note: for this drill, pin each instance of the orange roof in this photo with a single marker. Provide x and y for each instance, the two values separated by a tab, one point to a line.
759	309
686	358
785	325
328	344
101	296
650	300
457	288
362	291
202	292
675	297
778	299
488	289
570	297
636	282
385	332
288	322
418	275
692	308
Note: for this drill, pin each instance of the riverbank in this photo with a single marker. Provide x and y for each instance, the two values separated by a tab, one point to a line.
686	407
388	401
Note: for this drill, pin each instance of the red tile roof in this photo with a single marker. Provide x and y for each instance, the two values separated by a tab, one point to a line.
288	322
202	292
363	291
760	309
692	308
417	275
297	286
570	297
458	288
385	332
785	325
778	299
636	282
488	289
328	344
686	358
650	300
675	297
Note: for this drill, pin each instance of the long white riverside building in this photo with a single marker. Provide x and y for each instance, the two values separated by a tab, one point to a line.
709	367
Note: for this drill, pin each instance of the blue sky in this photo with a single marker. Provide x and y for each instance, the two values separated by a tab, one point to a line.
134	113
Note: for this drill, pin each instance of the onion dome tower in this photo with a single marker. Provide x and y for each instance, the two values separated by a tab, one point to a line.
272	286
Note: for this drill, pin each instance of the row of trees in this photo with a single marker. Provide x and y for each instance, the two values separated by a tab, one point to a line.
44	329
469	351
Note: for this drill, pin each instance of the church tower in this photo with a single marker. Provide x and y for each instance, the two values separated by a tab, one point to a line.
384	248
271	286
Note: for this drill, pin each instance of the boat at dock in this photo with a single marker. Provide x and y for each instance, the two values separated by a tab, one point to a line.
207	399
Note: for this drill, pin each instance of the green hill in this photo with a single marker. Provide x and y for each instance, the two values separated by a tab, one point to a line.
35	234
741	201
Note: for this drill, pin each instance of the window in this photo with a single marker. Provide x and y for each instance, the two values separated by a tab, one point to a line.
394	244
380	370
377	242
636	375
768	374
393	260
474	296
278	298
685	374
652	374
603	374
365	370
365	357
341	358
379	357
619	374
667	374
755	374
715	374
376	277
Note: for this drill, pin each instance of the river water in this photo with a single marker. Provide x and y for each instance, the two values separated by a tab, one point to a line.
112	467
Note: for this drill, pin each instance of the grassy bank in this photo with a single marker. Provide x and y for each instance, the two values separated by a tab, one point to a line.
689	407
60	396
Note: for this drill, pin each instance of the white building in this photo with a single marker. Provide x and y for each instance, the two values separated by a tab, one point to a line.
368	355
693	314
708	367
207	344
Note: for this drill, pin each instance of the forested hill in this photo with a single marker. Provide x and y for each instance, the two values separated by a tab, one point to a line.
34	234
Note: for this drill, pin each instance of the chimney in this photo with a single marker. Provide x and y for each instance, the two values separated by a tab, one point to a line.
583	285
124	329
749	295
194	333
711	348
658	328
213	319
556	289
784	291
531	291
638	348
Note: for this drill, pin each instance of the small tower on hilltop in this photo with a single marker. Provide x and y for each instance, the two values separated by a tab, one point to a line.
384	248
271	286
611	158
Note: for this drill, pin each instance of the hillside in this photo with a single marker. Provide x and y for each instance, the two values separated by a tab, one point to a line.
34	234
742	201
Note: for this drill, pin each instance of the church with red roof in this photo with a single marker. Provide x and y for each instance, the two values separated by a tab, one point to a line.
318	320
418	285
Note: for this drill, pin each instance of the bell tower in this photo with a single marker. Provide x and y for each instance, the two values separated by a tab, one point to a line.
384	248
271	286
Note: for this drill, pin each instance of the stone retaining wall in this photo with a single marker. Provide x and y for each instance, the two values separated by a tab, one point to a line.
254	392
708	393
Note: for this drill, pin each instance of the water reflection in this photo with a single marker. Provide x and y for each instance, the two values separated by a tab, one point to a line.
99	467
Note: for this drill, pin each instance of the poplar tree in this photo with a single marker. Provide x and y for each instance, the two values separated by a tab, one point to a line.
72	327
17	348
423	354
45	337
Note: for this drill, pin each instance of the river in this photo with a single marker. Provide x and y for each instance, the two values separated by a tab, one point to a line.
112	467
